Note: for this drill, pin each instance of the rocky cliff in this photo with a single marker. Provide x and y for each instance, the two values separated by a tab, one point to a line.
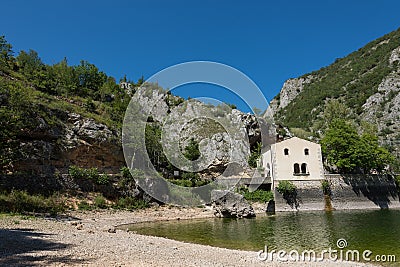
367	81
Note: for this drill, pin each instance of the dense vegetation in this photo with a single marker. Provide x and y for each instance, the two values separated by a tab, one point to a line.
33	94
352	79
352	152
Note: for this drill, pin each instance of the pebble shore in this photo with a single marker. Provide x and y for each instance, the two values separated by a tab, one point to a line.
91	239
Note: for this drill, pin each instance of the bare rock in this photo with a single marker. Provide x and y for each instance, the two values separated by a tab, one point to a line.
230	205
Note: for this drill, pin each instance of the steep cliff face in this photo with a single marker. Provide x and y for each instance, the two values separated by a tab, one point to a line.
383	107
290	90
78	141
60	138
224	135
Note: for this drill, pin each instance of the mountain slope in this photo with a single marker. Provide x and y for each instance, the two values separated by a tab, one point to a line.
367	81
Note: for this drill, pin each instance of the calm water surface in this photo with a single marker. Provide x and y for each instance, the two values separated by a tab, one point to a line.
378	231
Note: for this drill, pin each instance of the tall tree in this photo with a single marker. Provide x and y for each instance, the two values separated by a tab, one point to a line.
6	54
343	147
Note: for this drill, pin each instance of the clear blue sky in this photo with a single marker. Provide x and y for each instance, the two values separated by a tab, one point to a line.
270	41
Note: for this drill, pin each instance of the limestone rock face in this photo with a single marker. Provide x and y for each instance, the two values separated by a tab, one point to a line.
228	204
291	88
79	141
383	107
224	135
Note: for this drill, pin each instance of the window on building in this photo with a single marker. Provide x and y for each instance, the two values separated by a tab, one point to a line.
306	151
304	168
296	168
286	151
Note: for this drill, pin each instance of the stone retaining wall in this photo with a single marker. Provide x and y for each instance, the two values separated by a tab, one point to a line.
347	192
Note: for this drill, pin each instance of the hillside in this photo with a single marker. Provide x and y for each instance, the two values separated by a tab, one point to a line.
62	121
366	83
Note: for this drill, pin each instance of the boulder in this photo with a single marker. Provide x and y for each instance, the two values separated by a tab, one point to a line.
228	204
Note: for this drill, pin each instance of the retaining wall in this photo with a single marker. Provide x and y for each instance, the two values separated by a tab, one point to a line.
347	192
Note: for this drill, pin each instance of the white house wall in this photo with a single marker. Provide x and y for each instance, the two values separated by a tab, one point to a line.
283	165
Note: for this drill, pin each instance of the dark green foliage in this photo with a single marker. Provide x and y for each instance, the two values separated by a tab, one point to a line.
350	152
6	55
125	173
103	179
326	187
286	188
258	195
20	202
84	205
192	151
254	155
89	174
100	202
130	203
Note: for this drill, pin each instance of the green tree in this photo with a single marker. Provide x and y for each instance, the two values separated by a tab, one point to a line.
90	79
192	151
6	54
339	144
351	152
63	79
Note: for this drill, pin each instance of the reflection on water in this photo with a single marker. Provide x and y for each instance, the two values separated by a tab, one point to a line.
378	231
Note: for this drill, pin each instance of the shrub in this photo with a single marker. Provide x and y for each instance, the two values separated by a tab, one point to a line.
286	188
76	172
125	173
326	187
83	205
257	195
90	174
131	203
103	179
100	202
20	201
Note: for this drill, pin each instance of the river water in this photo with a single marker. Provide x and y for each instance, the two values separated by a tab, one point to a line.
374	230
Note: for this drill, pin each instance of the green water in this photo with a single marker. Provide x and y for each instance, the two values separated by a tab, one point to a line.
378	231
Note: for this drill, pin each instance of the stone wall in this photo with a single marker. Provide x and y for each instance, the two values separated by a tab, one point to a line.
347	192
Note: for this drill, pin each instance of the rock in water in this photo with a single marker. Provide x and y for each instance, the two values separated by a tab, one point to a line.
230	205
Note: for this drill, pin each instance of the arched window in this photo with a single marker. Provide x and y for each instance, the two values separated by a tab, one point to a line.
296	168
304	168
306	151
286	151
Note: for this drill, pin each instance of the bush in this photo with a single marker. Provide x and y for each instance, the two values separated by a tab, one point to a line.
90	174
103	179
130	203
100	202
286	188
83	205
20	201
257	195
326	187
125	173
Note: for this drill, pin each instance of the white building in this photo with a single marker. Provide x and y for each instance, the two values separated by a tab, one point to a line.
293	159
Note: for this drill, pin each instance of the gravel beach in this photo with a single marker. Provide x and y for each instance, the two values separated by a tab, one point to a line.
90	239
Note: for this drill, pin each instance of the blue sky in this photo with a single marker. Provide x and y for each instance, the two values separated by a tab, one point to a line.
270	41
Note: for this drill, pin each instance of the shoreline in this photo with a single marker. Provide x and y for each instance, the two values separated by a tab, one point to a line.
93	239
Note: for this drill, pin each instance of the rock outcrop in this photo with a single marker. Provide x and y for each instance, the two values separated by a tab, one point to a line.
225	135
228	204
290	90
78	141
